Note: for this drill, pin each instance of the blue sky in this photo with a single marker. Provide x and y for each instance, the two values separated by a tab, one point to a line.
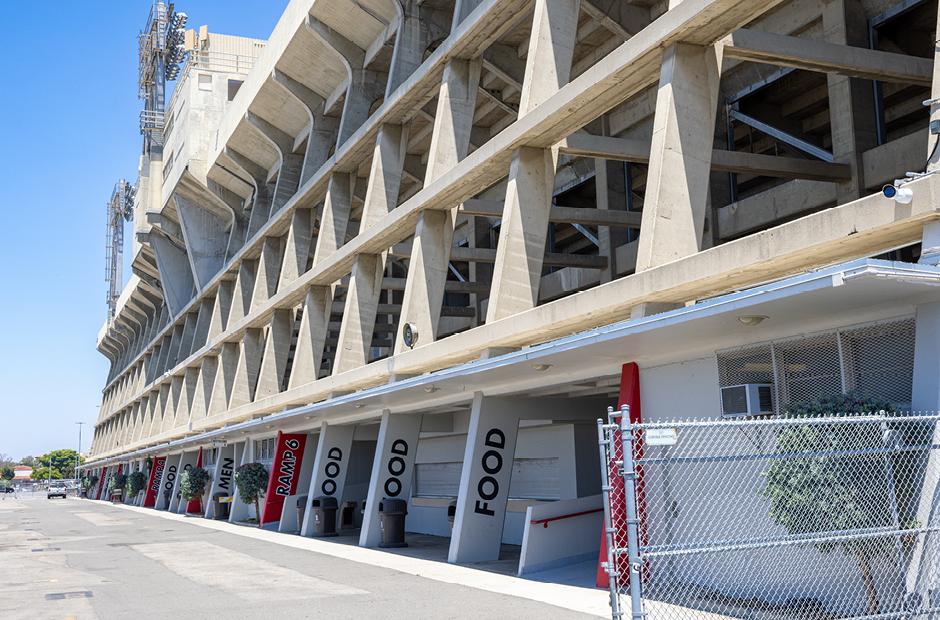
68	132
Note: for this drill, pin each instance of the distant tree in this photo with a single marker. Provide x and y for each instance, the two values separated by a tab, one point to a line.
28	461
57	465
7	473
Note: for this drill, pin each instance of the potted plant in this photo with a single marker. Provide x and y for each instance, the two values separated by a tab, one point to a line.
252	480
193	483
135	484
88	482
116	487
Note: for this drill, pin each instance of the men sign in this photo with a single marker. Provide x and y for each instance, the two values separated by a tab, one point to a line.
285	474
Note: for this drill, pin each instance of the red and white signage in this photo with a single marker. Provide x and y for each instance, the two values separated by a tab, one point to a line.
101	481
194	506
285	474
153	484
630	396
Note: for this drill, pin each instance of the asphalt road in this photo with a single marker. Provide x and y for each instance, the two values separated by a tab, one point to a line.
62	559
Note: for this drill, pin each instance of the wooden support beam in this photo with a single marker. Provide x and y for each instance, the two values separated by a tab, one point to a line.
813	55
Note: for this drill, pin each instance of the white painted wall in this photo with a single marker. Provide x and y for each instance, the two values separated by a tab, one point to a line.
574	446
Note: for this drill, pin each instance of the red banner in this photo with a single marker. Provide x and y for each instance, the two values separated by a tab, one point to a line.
194	506
630	396
101	481
285	474
153	484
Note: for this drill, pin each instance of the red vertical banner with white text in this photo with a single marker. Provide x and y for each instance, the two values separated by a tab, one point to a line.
194	506
153	484
285	474
101	481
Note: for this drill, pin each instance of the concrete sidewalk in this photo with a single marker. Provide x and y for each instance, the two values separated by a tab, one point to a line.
86	560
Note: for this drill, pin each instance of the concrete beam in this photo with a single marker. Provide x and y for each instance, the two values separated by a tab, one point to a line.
841	59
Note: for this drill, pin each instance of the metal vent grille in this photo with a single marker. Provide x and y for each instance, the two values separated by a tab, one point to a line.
807	368
879	361
753	365
873	360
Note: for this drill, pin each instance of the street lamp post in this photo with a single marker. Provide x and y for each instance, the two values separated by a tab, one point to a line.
78	456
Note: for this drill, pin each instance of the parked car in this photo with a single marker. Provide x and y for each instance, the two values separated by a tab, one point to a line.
7	490
56	490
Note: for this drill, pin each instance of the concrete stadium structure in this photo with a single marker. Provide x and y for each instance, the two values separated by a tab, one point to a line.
414	232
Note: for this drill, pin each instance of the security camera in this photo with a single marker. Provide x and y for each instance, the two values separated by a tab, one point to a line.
410	335
901	195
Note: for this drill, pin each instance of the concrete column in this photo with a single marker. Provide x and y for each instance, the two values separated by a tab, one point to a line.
392	470
334	216
329	468
297	247
269	270
176	275
223	479
244	288
680	155
365	284
925	397
220	310
204	232
187	462
314	328
484	480
322	134
224	379
411	39
203	392
434	234
930	246
851	100
276	349
168	481
249	365
531	180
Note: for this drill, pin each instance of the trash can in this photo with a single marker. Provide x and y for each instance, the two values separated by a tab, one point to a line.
324	516
117	495
451	513
220	508
392	522
301	509
347	516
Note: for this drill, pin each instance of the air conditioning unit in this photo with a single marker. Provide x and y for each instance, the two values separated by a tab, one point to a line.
747	399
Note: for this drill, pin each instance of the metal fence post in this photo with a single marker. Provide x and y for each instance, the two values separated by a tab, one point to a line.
633	530
611	565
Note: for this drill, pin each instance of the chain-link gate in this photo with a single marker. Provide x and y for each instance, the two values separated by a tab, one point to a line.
781	518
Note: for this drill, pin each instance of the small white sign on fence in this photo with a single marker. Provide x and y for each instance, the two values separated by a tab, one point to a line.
661	437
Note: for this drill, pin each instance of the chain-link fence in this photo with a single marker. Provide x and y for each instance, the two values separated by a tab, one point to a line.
782	518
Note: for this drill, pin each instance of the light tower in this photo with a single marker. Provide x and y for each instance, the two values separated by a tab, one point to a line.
120	210
161	51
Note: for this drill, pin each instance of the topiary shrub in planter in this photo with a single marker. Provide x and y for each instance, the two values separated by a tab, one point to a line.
826	491
116	486
135	484
193	483
252	480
